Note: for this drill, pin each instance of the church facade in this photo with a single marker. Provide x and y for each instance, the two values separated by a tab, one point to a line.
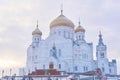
65	49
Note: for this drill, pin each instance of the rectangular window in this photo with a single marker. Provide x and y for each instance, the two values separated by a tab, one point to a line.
36	57
110	70
59	66
68	34
64	34
43	66
59	52
103	69
59	32
76	68
35	68
102	55
54	32
85	68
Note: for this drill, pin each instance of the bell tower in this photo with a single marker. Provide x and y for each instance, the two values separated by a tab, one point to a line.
101	54
101	48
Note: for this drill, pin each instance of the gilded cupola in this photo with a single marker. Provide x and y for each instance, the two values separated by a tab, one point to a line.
79	28
37	31
61	20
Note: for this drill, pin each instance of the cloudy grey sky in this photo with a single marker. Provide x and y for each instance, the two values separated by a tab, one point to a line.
18	19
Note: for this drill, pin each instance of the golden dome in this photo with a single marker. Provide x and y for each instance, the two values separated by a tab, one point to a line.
61	21
37	31
79	29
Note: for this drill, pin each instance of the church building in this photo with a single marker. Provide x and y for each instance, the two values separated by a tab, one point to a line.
66	50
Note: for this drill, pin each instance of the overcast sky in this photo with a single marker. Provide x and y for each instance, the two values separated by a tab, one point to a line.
18	19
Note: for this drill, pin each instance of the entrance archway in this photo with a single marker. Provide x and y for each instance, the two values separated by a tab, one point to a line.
51	65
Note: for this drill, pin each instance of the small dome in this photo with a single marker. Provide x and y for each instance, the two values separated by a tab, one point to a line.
61	21
79	29
37	31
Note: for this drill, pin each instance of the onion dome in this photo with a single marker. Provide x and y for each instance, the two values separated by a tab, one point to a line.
61	20
37	31
79	29
100	39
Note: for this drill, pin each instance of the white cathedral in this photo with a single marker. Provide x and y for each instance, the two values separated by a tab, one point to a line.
65	49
